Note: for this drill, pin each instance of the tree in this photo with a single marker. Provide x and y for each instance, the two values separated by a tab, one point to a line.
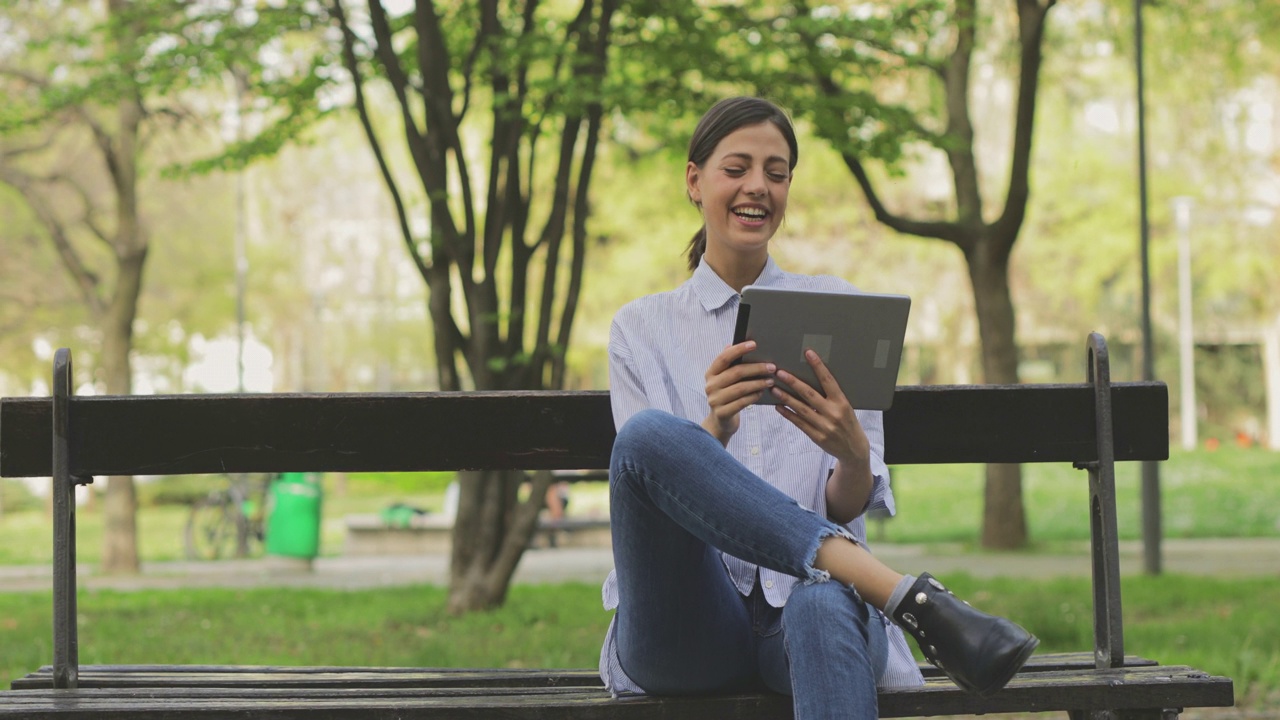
884	82
87	88
66	203
505	238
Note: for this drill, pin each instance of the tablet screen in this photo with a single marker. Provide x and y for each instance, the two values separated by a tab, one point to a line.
859	337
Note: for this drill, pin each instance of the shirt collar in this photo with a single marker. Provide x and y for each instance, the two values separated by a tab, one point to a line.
714	293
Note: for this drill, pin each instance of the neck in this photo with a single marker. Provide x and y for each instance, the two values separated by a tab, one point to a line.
737	271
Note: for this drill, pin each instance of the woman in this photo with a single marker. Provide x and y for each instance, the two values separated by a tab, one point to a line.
738	537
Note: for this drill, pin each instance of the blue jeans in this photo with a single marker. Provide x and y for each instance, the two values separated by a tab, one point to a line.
677	499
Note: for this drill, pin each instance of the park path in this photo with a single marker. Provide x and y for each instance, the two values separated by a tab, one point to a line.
1219	557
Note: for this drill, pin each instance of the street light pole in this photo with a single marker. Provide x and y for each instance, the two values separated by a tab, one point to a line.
1150	470
241	259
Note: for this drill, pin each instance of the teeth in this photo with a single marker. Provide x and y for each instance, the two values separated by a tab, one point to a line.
756	213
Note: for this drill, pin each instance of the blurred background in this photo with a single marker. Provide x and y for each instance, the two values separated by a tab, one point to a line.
226	196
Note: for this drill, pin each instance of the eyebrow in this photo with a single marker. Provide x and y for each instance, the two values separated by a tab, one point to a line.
748	156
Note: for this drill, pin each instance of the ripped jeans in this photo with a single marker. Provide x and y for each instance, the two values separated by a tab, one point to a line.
677	499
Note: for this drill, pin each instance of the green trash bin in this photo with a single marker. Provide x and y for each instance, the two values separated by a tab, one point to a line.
293	515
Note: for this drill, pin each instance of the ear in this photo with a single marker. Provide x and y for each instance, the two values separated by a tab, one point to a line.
691	176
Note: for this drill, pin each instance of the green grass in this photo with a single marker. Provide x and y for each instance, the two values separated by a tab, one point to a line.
1224	627
1228	493
1231	492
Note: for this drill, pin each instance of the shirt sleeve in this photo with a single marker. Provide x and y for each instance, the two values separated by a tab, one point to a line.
626	391
881	494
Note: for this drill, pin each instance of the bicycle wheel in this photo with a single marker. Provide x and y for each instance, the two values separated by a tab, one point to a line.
211	529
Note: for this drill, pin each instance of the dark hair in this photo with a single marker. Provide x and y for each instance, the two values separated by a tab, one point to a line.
724	118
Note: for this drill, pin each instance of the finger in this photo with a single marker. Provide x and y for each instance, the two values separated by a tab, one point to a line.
800	415
742	403
737	393
830	387
795	408
730	356
799	389
750	372
718	377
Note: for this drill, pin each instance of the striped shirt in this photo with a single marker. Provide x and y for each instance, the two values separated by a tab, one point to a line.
660	347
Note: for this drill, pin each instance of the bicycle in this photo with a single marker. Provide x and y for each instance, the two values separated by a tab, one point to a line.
228	521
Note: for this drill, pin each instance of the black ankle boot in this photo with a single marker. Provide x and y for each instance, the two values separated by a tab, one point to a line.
979	652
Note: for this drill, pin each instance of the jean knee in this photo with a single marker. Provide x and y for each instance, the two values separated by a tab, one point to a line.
644	429
814	606
646	435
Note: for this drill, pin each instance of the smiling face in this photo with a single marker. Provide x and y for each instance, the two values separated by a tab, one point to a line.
742	190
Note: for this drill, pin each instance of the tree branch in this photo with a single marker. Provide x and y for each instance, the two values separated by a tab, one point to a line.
362	110
443	138
1031	21
384	50
85	280
959	149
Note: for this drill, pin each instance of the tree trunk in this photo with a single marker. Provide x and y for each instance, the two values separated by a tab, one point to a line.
120	541
491	531
120	507
1004	523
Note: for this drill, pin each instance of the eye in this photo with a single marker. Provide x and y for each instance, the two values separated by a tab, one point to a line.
734	170
777	176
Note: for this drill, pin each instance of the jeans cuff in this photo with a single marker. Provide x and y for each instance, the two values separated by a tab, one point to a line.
813	574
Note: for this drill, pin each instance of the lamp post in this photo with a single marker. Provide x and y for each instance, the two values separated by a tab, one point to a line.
241	84
1150	470
1186	336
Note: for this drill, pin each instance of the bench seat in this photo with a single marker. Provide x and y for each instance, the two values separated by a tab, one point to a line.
1049	683
337	676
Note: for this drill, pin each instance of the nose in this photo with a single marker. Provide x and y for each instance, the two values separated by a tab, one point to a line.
755	184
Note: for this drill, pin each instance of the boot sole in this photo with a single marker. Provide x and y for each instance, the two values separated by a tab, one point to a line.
1014	666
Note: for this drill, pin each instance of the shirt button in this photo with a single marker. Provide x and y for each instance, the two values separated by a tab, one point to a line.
768	584
755	449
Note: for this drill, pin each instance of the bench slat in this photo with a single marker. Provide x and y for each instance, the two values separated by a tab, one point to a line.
1128	688
336	676
135	435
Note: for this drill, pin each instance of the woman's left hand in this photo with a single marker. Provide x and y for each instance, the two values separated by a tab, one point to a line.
829	421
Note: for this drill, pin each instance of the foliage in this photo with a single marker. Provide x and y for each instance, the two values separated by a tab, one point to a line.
180	490
63	143
421	483
16	497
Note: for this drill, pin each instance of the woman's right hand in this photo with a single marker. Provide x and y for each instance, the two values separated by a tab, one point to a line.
732	386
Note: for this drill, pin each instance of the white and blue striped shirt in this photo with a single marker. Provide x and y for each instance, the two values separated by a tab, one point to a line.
660	347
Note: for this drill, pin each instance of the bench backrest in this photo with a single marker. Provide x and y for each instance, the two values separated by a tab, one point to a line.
72	439
186	434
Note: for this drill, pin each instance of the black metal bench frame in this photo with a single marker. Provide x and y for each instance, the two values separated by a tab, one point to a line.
1092	425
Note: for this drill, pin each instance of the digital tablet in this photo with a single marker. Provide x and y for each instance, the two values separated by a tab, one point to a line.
858	335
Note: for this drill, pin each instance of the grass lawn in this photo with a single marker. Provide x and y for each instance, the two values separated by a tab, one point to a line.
1227	628
1230	492
1227	493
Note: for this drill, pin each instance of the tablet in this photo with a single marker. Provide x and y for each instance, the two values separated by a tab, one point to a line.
858	335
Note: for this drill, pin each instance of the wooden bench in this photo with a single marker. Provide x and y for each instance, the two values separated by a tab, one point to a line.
1091	424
